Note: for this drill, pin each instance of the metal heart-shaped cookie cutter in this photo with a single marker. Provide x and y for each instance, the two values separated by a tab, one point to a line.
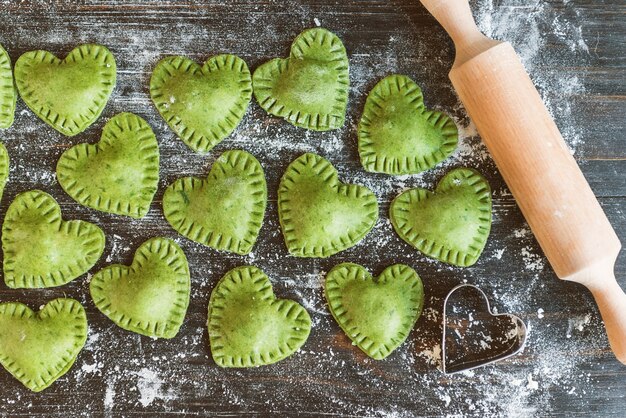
505	350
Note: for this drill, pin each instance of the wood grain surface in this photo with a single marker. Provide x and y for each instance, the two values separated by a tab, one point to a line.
574	52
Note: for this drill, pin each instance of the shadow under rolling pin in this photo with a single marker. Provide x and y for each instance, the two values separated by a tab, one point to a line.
536	164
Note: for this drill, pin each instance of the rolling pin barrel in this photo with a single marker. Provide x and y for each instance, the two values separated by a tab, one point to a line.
536	164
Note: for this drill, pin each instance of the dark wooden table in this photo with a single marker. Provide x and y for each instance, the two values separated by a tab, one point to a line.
574	51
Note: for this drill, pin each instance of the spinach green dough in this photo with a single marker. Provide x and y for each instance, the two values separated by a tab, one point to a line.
68	94
149	297
310	88
248	326
223	211
398	135
8	94
119	174
41	249
451	224
38	348
319	215
202	104
377	314
4	168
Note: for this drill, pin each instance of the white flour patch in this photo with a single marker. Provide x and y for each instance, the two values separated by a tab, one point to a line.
109	395
498	253
92	341
446	399
521	232
91	368
577	324
116	248
432	356
532	260
150	387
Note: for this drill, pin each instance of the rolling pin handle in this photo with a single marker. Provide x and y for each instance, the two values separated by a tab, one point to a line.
456	18
611	301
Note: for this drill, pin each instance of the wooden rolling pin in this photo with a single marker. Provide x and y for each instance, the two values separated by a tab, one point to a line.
536	164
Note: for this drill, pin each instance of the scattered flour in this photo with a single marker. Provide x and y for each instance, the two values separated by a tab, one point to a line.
524	386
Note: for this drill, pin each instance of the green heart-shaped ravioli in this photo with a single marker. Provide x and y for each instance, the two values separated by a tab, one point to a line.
38	348
202	104
397	135
225	210
319	215
248	326
452	224
376	314
68	94
42	250
4	168
119	174
310	88
149	297
8	95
